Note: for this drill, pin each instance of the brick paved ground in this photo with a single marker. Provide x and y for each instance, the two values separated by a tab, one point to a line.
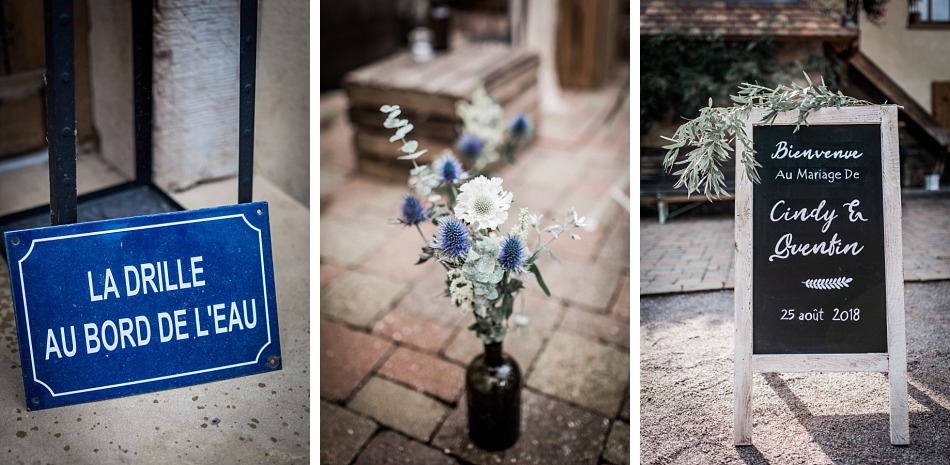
696	254
393	351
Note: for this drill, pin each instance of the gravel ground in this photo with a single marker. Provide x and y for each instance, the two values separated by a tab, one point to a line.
686	346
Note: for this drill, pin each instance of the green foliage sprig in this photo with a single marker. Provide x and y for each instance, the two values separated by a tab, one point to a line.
713	134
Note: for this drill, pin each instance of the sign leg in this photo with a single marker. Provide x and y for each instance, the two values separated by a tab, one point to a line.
742	399
742	387
894	264
900	427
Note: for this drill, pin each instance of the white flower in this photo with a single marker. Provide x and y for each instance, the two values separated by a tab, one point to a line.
483	203
536	219
579	222
555	229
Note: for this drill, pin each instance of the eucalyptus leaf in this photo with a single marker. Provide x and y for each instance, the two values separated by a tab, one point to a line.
403	131
412	156
410	146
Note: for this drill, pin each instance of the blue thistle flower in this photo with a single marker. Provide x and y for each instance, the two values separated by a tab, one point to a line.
512	254
453	238
450	169
412	212
470	146
519	126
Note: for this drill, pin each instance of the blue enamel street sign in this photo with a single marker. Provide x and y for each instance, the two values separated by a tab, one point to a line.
111	308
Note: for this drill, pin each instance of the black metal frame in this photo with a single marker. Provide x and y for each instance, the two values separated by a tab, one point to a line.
142	88
246	118
61	110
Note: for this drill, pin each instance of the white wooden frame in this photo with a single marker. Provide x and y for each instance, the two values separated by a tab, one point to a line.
894	362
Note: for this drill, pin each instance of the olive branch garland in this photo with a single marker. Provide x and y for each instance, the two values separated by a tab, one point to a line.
712	135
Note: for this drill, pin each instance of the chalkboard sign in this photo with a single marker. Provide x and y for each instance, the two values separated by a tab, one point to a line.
818	271
818	241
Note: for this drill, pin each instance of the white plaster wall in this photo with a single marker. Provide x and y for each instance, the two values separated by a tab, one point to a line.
914	58
282	114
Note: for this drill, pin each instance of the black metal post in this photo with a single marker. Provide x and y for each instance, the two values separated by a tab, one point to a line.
4	41
246	115
142	88
60	110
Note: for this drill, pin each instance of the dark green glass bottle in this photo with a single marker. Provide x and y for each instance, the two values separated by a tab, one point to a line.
493	393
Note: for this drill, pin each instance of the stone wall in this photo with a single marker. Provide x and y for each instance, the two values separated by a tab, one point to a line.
195	91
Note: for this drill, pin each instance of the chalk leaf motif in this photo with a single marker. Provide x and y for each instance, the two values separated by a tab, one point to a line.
828	283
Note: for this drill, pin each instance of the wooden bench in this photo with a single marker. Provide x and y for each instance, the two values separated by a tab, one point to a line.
656	185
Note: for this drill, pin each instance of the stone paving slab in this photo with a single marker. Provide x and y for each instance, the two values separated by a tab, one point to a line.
328	273
582	371
342	434
617	450
589	284
625	410
552	432
394	258
685	255
598	327
368	200
426	300
545	167
621	307
346	358
616	248
399	408
406	328
389	447
359	298
425	373
348	242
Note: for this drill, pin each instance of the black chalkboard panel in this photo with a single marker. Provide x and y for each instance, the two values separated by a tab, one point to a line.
818	241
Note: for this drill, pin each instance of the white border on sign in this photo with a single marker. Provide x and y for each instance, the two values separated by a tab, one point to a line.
26	311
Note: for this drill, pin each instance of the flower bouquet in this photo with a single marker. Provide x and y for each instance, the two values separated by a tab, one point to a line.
486	265
484	139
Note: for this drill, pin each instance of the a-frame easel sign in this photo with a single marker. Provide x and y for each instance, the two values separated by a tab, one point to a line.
819	281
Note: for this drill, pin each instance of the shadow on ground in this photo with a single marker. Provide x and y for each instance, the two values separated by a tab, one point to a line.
823	418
